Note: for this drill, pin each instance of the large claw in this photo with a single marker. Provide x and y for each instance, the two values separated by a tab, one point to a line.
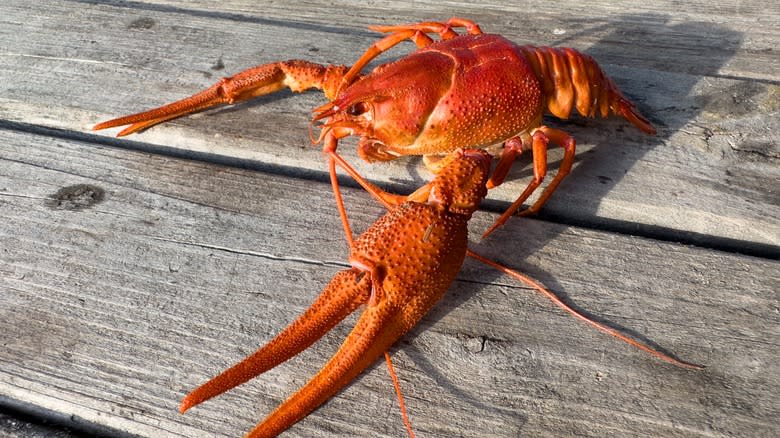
374	333
256	81
377	329
348	290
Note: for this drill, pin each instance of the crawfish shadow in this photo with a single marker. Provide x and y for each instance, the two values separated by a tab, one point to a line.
593	176
618	146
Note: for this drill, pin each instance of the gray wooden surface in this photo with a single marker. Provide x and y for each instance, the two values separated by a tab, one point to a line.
212	232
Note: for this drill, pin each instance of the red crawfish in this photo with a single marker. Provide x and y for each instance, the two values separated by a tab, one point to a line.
401	266
463	91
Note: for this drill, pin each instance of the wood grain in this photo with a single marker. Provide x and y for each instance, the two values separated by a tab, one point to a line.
132	270
115	310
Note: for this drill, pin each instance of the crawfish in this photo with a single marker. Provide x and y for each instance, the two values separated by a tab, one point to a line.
401	266
463	91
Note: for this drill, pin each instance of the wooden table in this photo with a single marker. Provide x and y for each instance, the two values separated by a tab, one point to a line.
134	269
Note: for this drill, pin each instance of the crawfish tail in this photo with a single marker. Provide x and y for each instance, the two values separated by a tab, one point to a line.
571	79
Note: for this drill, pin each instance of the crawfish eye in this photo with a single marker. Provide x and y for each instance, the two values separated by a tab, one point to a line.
357	109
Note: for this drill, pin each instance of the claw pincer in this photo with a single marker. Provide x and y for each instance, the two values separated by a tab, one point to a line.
401	266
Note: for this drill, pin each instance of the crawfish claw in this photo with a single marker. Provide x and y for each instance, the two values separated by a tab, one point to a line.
253	82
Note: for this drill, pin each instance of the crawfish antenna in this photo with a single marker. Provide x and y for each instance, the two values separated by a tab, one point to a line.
323	132
601	327
323	111
320	113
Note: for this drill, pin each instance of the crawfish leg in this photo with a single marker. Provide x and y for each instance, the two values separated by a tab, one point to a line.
256	81
443	29
541	137
330	144
345	293
385	198
397	386
375	50
513	148
568	144
415	32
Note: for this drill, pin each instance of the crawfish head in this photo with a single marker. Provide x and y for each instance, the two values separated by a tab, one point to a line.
391	105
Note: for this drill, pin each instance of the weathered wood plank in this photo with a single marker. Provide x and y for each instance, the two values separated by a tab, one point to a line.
114	311
708	177
702	38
